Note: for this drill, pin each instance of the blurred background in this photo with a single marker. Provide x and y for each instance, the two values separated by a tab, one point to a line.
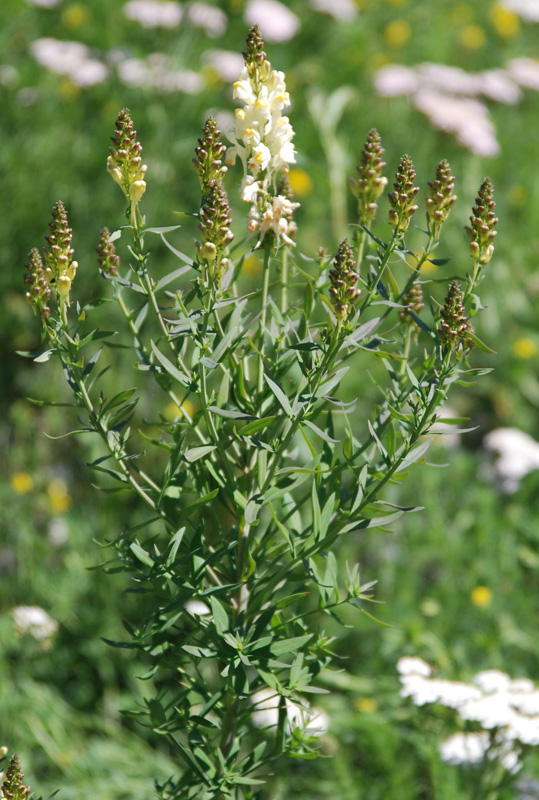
459	581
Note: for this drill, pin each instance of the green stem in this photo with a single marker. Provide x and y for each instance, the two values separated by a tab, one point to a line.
284	281
325	366
395	239
263	317
108	437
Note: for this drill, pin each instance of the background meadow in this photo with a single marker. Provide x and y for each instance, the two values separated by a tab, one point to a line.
458	583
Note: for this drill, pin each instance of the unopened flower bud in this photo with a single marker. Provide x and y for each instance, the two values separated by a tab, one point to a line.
107	259
58	253
38	287
370	182
482	223
402	199
441	199
454	327
124	162
343	278
412	302
209	153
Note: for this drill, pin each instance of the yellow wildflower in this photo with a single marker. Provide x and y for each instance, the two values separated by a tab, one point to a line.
481	596
505	21
300	181
524	347
397	33
21	482
472	37
366	704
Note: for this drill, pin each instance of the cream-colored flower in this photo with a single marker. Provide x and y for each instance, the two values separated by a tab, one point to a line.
262	141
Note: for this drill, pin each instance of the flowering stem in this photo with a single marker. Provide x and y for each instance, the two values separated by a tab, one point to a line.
382	268
265	289
324	368
360	247
108	436
406	350
284	281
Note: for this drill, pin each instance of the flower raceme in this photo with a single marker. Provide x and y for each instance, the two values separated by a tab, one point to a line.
262	140
124	162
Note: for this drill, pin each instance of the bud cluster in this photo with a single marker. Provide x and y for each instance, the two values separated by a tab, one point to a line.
455	328
370	183
255	59
38	287
343	291
125	162
208	161
482	223
60	268
412	302
402	199
13	787
107	258
441	199
215	219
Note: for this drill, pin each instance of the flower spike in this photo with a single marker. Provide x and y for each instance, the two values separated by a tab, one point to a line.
125	162
107	259
482	223
402	199
60	269
39	290
441	199
343	292
370	182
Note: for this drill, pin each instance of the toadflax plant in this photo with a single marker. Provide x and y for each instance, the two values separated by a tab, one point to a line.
265	463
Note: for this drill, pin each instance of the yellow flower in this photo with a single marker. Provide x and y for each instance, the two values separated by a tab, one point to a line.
524	347
300	181
252	264
21	482
427	267
397	33
366	704
481	596
172	411
75	15
506	22
472	37
58	495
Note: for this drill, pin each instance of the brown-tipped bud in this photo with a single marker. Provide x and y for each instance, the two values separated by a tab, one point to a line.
402	199
215	219
208	161
482	223
441	199
412	302
107	259
58	252
343	291
38	289
370	183
455	327
124	162
255	58
13	787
